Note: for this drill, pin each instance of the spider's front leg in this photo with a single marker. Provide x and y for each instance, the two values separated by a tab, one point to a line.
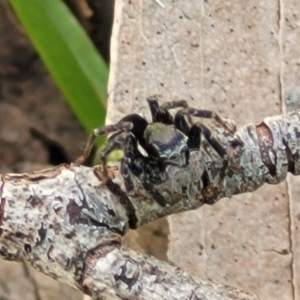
148	170
130	210
154	172
131	162
132	123
148	185
114	142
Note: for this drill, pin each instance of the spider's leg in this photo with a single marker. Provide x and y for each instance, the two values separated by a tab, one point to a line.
121	126
153	174
139	124
174	104
125	171
157	197
125	201
207	114
148	170
131	163
115	142
194	140
177	104
181	124
159	114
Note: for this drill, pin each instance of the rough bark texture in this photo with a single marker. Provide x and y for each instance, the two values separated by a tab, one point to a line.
29	99
240	59
67	224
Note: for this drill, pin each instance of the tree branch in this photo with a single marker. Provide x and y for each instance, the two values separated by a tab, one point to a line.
67	224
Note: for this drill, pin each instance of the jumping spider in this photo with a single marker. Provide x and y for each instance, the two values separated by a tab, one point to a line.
150	147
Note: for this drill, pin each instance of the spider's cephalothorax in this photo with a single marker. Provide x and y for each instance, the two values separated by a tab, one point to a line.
167	143
150	147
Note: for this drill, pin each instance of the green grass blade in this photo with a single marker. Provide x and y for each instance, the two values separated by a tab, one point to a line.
70	56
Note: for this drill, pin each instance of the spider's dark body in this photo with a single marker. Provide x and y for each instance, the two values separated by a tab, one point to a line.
167	143
150	147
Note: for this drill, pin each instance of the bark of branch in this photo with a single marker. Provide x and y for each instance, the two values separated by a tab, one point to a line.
68	225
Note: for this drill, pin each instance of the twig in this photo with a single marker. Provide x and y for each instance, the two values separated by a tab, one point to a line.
68	225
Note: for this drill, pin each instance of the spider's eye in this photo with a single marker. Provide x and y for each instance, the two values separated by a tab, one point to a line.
173	156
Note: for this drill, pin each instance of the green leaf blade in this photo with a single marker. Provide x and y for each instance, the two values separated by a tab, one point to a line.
70	56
